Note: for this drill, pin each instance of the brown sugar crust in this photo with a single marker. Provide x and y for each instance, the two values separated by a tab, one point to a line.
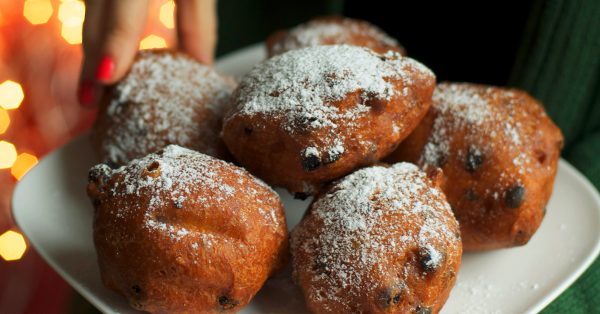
312	115
181	232
380	240
166	98
332	30
499	151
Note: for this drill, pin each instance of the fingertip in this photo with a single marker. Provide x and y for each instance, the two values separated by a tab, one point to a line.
88	93
204	57
106	69
197	29
119	45
198	46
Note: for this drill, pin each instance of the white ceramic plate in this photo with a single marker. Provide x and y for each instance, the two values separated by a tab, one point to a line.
51	207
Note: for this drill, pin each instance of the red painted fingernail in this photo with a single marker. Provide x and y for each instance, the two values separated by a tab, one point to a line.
106	67
86	93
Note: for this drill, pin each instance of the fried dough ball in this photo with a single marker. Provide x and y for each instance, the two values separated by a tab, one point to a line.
332	30
312	115
380	240
499	151
181	232
166	98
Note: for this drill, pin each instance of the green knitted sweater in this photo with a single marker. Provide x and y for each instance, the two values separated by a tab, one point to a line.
559	63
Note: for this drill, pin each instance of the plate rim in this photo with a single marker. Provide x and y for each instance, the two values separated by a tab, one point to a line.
35	245
592	254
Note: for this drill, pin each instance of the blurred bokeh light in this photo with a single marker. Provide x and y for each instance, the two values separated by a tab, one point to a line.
37	11
71	34
11	95
4	120
22	165
152	42
8	154
12	245
71	12
167	14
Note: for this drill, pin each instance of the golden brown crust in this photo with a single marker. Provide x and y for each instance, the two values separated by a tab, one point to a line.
499	151
181	232
166	98
337	124
380	240
332	30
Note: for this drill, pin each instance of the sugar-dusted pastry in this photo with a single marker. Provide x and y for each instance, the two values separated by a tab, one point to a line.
181	232
311	115
380	240
332	30
499	151
166	98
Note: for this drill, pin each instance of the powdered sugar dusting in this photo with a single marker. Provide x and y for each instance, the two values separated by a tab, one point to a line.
357	215
433	253
336	150
512	133
330	31
174	232
161	101
468	108
301	86
168	178
311	151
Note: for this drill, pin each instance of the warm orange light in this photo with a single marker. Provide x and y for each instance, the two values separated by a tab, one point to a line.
37	11
166	14
71	34
8	154
12	245
71	13
22	165
152	42
4	121
11	95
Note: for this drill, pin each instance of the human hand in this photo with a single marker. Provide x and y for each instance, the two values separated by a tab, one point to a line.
111	33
